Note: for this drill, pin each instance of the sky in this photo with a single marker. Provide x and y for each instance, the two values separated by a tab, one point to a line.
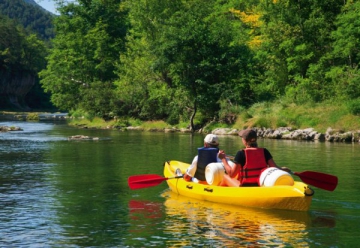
47	4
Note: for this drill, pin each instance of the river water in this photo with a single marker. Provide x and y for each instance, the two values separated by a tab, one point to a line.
60	193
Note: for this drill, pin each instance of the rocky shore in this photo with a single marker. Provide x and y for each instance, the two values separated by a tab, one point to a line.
309	134
331	135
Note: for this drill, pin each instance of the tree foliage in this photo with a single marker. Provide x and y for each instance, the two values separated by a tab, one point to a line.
89	38
345	56
32	18
22	55
177	59
190	49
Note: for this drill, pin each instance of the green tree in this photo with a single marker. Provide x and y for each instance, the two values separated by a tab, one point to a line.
89	39
345	57
191	49
296	35
143	92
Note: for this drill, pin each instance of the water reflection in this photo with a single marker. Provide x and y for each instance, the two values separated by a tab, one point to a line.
196	222
146	224
144	209
58	193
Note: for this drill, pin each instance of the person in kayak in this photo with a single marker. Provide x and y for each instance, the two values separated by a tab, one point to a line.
249	162
206	155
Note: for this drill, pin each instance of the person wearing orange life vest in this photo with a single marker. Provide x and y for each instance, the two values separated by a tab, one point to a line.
249	162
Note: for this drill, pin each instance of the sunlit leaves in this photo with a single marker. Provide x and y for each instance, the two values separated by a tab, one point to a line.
89	40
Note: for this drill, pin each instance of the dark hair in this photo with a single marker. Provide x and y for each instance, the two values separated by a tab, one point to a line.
252	144
249	135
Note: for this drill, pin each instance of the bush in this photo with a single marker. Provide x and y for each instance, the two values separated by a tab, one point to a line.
79	113
281	122
173	119
262	122
354	106
32	117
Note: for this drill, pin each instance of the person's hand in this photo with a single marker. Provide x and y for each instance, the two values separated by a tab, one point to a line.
221	154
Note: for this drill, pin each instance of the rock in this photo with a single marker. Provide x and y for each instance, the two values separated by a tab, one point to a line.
225	131
185	130
319	136
309	134
8	129
275	135
82	137
171	130
134	128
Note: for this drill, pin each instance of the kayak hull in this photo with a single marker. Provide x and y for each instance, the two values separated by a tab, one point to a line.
297	197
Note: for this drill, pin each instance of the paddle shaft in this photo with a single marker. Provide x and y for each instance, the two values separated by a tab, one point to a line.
145	181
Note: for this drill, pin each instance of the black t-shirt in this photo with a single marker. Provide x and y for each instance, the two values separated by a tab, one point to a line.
241	159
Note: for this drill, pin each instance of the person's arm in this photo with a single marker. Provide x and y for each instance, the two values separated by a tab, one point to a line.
190	172
230	170
272	163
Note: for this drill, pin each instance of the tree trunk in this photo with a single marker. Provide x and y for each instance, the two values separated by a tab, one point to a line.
192	127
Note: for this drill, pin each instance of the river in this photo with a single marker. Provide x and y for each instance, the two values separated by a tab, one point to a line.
56	192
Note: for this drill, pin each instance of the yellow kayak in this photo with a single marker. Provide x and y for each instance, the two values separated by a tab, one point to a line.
296	197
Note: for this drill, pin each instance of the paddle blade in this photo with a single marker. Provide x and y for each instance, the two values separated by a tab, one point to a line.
318	179
145	181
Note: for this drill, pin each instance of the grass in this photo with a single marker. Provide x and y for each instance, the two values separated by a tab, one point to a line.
32	117
319	116
155	125
93	123
100	123
215	125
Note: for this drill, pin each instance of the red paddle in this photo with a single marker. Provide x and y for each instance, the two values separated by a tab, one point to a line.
318	179
144	181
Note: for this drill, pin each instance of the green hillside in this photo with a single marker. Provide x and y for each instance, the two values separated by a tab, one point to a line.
25	31
30	15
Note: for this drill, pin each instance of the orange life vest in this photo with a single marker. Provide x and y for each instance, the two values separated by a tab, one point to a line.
255	163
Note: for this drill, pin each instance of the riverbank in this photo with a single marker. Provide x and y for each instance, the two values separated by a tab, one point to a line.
308	134
279	120
322	122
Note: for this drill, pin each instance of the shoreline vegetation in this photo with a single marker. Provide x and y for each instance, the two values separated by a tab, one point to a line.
273	65
271	120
